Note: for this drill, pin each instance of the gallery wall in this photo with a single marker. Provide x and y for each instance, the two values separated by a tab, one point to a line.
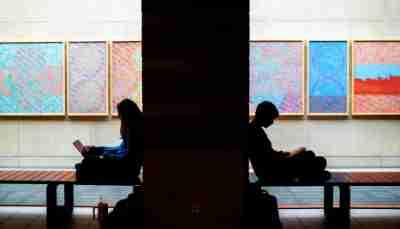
44	142
346	142
349	142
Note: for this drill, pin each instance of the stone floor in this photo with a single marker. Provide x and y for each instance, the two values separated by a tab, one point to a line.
34	218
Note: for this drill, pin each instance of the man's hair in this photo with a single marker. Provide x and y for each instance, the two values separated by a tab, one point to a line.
266	110
129	111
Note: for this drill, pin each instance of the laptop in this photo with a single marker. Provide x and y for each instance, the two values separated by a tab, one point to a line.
78	145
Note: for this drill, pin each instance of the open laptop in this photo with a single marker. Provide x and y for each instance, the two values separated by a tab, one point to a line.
78	145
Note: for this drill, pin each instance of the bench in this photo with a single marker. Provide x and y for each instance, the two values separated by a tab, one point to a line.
344	181
51	178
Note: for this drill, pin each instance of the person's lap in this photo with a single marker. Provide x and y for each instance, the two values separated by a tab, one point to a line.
303	165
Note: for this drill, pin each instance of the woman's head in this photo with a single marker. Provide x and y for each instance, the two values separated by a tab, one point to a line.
128	110
130	114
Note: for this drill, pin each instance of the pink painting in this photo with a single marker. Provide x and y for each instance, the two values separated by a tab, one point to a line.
126	73
277	75
87	78
376	78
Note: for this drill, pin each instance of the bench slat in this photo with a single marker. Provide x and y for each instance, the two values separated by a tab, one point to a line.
28	176
350	178
374	177
7	175
53	176
44	176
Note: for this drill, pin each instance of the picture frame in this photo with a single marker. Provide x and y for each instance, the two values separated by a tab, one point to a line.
341	65
125	58
299	64
372	87
86	95
21	63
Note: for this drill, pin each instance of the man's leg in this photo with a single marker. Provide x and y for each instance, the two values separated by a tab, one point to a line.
307	165
299	165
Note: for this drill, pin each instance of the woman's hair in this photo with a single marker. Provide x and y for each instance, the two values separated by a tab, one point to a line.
129	112
132	117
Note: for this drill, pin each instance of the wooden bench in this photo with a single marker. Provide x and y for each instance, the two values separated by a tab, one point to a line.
51	178
344	181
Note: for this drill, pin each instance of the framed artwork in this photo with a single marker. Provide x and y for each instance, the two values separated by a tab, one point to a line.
87	78
376	78
328	78
126	73
32	79
277	75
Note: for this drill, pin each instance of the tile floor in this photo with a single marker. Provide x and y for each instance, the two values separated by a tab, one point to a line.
34	218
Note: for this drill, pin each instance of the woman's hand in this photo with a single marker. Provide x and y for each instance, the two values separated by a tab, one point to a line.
86	150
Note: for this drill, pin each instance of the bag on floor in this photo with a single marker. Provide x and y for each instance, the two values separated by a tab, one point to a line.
260	209
127	213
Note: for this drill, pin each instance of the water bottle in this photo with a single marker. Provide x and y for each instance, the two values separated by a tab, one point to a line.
102	210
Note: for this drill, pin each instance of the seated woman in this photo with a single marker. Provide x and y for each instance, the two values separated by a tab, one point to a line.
120	163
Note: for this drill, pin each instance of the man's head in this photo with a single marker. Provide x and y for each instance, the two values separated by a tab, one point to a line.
266	113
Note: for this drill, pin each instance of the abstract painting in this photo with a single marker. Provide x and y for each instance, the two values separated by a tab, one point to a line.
87	78
277	75
126	72
376	78
328	77
32	78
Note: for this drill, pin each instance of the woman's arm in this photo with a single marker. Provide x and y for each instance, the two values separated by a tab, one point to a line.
117	151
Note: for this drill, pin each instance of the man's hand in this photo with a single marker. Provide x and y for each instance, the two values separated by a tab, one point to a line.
296	151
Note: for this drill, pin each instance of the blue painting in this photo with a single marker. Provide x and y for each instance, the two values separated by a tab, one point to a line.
32	78
328	77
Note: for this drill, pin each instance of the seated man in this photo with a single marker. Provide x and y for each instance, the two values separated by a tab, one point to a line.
272	165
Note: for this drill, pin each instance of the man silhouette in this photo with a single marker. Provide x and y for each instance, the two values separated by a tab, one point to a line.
272	165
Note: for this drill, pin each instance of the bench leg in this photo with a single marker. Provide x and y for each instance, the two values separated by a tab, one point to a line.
345	200
51	204
337	217
69	199
328	200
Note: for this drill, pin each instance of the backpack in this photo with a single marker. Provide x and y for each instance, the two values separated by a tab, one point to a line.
260	209
127	213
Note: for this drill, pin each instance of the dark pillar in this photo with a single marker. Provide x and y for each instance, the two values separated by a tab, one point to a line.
195	95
